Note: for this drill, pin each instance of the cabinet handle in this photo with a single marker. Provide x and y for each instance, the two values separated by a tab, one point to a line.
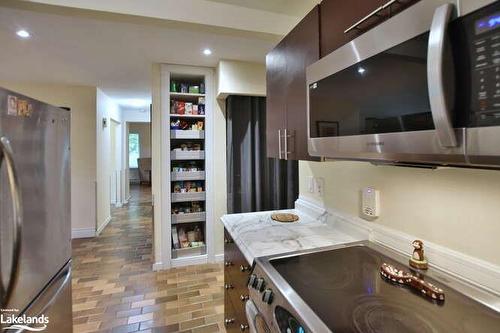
279	144
228	321
286	146
376	12
243	327
244	268
244	298
286	143
228	286
228	263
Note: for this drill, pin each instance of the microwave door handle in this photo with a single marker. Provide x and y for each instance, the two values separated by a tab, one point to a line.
6	154
440	95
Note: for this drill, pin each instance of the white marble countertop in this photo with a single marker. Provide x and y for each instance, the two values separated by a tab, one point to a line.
257	235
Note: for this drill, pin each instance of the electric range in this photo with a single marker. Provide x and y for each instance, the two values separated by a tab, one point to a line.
341	289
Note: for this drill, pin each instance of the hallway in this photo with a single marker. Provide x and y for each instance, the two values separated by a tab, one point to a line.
115	289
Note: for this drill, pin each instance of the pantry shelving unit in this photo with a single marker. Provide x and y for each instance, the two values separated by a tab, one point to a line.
187	172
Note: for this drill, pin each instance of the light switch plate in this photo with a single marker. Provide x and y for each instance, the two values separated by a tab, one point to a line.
310	184
370	203
319	186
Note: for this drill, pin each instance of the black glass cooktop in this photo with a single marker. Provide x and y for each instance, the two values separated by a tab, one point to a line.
346	291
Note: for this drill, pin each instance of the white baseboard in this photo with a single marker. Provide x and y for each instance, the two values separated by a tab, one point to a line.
219	257
158	266
187	261
101	228
82	233
127	200
470	269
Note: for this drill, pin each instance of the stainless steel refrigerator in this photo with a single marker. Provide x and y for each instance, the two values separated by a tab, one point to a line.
35	211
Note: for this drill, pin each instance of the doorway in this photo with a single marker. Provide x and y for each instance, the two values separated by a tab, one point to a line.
139	159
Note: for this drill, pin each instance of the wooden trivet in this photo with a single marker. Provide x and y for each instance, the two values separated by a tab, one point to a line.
284	217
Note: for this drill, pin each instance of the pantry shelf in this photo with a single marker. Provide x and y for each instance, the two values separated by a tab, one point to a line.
179	94
176	115
187	100
187	134
178	155
187	175
189	252
188	196
188	218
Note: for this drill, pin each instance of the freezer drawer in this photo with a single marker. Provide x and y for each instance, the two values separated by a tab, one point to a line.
54	302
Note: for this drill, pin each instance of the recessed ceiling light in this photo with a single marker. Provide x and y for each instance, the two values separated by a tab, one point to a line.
207	52
23	34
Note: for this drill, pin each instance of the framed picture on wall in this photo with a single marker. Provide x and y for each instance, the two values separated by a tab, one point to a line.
327	128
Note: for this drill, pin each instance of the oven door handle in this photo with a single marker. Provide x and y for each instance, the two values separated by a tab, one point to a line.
439	72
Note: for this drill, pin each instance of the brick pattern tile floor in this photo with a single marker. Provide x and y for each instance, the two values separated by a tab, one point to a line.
115	289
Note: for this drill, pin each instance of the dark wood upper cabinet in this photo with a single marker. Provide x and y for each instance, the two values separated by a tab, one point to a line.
276	78
318	34
286	89
336	16
302	50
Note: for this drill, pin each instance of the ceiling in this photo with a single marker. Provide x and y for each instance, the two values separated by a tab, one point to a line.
288	7
116	52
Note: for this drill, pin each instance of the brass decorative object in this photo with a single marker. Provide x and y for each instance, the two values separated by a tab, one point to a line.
418	259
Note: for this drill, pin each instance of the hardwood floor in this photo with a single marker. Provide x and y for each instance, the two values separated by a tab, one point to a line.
115	289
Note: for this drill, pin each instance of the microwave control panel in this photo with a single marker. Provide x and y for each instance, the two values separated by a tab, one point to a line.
485	62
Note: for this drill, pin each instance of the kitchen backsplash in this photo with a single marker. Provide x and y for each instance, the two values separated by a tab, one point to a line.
455	208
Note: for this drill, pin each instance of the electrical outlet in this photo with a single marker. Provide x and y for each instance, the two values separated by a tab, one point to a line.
319	186
310	184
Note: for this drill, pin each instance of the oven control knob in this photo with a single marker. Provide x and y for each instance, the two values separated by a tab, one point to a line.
260	284
252	281
267	296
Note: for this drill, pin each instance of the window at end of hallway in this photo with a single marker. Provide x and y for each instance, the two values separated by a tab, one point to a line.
133	149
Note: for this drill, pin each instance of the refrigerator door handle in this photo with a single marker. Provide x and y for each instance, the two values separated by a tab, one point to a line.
6	154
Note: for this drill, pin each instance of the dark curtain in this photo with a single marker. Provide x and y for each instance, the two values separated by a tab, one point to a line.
254	181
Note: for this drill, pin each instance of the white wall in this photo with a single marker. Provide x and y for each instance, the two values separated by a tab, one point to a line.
240	78
107	109
455	208
232	78
220	173
143	129
82	101
130	115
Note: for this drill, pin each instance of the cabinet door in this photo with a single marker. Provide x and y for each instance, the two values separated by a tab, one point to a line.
275	97
337	16
302	49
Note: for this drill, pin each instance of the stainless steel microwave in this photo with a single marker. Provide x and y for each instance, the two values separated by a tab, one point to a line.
421	88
